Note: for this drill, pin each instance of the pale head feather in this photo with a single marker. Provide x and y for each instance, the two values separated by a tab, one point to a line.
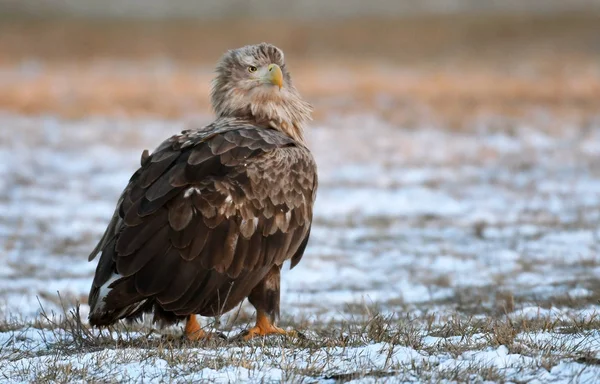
236	93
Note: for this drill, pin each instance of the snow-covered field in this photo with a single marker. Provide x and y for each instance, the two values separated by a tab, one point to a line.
436	255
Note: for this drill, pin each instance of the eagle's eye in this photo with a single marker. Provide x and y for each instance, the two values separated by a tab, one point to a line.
252	69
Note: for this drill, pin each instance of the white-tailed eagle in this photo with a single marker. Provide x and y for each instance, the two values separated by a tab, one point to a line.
212	214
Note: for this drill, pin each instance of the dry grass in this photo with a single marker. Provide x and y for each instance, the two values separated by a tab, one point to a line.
457	73
323	354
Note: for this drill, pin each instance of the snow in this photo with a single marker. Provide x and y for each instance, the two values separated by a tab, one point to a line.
135	364
339	202
412	221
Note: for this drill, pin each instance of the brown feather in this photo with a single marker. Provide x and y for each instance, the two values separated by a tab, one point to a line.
123	294
256	246
211	257
133	237
219	145
229	247
149	206
213	295
182	239
131	216
187	276
300	251
200	172
242	248
161	187
164	156
155	169
200	155
181	212
156	246
177	176
191	293
149	282
202	235
204	219
248	227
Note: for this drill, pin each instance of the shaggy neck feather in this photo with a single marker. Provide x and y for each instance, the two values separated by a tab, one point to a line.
280	109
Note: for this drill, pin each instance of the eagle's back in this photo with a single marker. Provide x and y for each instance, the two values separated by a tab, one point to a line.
202	221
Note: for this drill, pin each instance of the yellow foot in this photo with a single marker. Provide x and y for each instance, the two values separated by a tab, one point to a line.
194	332
264	327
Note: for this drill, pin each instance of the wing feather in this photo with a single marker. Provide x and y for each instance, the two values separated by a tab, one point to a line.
133	237
205	210
158	165
220	145
181	213
242	249
182	239
199	242
156	246
254	253
149	282
187	276
190	292
200	155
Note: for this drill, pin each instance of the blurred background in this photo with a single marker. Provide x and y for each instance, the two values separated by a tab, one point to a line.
442	61
451	136
458	149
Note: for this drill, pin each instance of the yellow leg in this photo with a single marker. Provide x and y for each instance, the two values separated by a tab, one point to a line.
193	331
264	327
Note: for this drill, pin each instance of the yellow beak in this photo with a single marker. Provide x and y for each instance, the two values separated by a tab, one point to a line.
275	76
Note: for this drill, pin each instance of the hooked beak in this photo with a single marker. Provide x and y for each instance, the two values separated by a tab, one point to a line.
274	75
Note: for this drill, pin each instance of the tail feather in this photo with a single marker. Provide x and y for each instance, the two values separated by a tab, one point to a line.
114	300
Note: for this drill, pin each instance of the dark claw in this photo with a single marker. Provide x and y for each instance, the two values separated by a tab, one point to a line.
239	336
221	335
301	335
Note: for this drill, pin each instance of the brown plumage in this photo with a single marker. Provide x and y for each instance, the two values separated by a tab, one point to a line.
212	214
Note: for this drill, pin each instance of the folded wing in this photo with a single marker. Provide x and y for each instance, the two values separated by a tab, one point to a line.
202	221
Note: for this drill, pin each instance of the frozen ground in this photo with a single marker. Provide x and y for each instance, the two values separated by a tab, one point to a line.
436	255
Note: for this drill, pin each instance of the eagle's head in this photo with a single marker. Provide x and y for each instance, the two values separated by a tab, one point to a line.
252	82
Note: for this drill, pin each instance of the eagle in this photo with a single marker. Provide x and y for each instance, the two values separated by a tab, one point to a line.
212	214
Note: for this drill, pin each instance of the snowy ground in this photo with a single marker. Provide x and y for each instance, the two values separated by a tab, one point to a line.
436	255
